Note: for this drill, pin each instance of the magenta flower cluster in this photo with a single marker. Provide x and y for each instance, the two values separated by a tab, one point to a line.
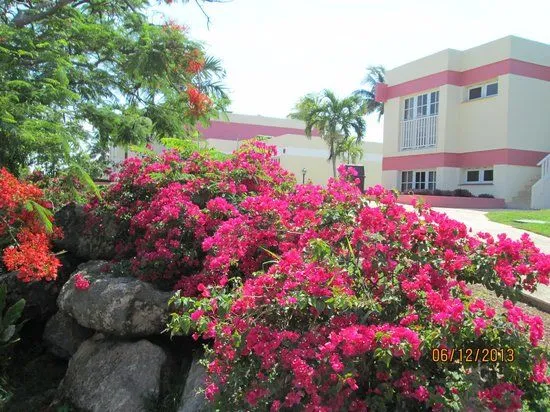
323	298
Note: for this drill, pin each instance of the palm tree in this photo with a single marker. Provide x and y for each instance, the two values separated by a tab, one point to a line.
375	74
335	119
350	150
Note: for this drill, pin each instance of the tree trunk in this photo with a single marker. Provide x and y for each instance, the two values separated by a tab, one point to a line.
334	166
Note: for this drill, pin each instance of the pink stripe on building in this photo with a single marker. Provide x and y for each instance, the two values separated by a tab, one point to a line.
455	78
242	131
483	158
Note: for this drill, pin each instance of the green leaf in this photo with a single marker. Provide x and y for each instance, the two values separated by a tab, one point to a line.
13	313
7	333
43	214
3	293
78	172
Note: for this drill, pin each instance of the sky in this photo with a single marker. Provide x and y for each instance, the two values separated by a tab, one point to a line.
276	51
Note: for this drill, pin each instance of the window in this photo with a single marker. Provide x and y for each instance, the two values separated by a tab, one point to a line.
472	176
492	89
488	175
431	180
406	180
426	104
479	176
474	93
411	179
485	90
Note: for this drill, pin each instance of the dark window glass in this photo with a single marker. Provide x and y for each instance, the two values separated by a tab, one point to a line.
431	180
474	93
492	89
472	176
420	180
487	175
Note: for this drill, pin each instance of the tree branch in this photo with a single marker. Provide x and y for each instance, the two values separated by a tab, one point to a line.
205	14
24	18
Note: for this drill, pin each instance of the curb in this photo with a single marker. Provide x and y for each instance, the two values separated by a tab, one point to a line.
535	302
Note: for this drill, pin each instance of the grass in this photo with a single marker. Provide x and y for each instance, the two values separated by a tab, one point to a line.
508	216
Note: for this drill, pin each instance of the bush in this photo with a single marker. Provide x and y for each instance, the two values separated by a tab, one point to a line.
354	294
167	205
26	230
323	298
486	195
462	193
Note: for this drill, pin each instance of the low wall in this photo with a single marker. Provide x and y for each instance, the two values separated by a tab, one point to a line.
455	201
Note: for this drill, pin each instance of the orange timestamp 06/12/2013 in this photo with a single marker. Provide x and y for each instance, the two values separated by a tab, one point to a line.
470	355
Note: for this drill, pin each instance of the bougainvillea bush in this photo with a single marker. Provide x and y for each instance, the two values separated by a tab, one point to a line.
167	205
325	298
26	230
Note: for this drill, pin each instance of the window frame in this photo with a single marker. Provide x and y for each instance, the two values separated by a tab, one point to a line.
481	176
416	181
428	101
483	88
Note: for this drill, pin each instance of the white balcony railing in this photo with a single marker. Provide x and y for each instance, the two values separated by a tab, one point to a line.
545	167
419	133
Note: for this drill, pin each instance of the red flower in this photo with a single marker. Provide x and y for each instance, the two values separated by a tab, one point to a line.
80	282
199	102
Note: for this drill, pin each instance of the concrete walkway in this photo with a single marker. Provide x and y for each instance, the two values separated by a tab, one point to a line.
477	220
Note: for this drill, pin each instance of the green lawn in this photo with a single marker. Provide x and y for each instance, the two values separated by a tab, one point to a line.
508	216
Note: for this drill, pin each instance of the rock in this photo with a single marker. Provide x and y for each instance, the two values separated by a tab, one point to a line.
191	400
83	239
121	306
40	296
63	335
111	376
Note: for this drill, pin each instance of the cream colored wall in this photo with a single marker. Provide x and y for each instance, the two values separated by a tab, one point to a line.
457	60
530	51
447	178
312	154
225	146
540	194
448	59
512	180
482	124
528	114
390	179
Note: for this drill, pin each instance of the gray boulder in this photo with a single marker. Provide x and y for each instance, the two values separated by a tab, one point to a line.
192	400
63	335
84	240
121	306
110	376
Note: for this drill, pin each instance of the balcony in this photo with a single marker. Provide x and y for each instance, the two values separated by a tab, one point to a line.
419	133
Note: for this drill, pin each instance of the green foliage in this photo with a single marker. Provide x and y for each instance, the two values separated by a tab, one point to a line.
8	318
375	75
336	120
43	214
187	147
350	150
79	76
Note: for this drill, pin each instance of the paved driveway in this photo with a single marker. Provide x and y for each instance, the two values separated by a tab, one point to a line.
477	220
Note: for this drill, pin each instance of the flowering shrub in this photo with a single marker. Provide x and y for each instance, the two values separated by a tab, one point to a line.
167	205
325	299
26	230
